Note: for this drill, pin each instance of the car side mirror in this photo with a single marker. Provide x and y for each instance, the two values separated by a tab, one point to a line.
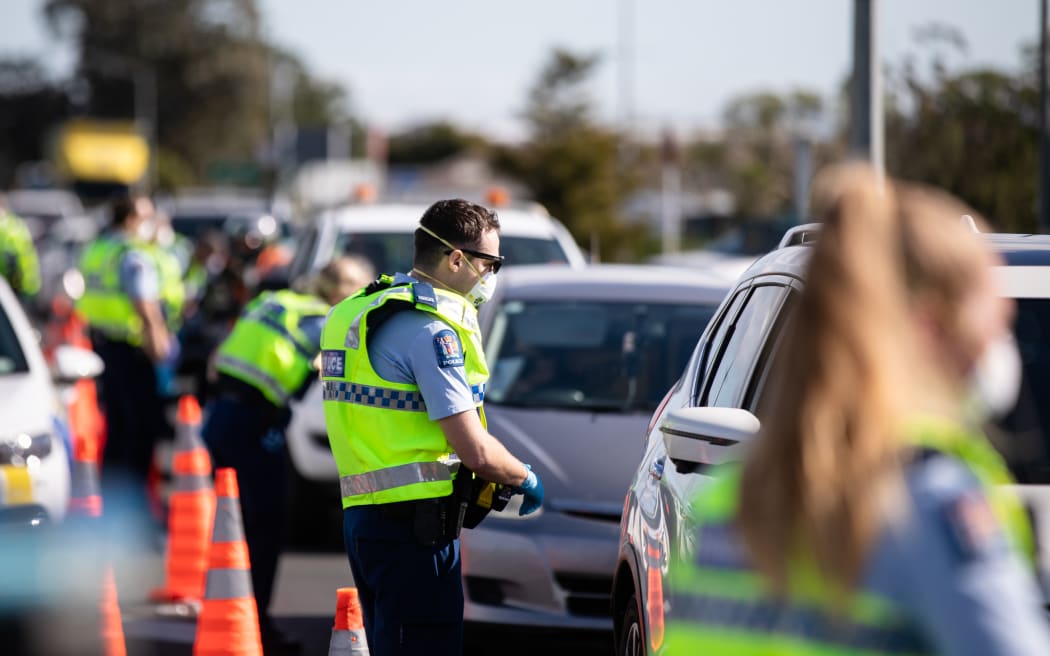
73	363
707	436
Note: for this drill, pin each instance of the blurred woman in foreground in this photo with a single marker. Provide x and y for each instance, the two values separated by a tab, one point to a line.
870	515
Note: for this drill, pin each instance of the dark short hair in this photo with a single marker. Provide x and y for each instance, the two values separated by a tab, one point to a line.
122	206
458	221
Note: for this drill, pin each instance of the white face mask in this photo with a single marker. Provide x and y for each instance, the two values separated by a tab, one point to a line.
145	231
996	379
483	290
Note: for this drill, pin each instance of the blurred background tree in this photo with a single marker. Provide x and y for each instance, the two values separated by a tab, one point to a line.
572	164
974	133
207	58
30	104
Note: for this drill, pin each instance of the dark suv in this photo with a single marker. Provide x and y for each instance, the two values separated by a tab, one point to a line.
710	411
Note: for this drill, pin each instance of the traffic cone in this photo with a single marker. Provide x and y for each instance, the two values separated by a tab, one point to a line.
228	624
85	498
191	510
85	503
348	634
112	626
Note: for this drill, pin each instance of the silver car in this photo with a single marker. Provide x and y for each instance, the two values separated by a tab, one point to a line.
579	360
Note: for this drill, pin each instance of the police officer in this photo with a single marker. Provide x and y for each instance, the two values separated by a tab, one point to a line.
870	516
264	362
18	258
404	378
121	304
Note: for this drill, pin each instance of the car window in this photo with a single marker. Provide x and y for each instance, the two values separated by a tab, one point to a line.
602	356
732	372
714	345
392	252
1023	436
753	399
12	358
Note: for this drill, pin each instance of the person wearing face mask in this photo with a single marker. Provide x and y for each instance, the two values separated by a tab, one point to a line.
870	515
122	307
404	376
266	362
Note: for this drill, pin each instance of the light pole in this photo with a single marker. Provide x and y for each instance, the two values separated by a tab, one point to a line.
866	121
1043	195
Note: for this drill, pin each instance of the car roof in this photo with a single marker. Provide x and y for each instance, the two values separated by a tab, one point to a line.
788	260
622	282
1021	249
404	217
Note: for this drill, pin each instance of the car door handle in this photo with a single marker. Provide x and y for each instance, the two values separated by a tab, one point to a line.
656	470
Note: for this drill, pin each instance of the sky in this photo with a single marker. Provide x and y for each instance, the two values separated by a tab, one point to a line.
664	63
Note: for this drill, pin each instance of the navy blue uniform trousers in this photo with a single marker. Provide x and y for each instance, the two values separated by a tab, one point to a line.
238	435
411	594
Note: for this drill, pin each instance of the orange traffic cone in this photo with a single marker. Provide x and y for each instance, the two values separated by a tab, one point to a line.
228	624
112	627
348	634
191	510
86	502
85	498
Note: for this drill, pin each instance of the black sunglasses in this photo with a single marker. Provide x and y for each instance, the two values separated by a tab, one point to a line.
497	260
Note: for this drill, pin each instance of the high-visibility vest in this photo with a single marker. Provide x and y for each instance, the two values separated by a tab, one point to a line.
385	446
172	292
105	305
267	349
18	259
720	605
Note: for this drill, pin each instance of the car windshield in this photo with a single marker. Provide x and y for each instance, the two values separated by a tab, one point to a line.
579	355
193	226
392	252
1022	436
12	358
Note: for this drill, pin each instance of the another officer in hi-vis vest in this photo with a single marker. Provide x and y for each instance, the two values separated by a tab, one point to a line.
267	360
404	379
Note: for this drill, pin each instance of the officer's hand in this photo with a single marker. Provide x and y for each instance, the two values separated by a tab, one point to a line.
532	488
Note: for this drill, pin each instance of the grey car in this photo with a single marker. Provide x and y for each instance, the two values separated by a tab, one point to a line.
579	360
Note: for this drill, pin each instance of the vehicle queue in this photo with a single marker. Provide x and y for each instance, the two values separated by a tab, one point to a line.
579	359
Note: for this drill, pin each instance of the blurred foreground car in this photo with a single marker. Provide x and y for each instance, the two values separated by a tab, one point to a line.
34	438
579	360
709	413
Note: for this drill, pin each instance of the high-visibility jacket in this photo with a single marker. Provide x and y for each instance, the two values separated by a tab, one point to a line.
105	305
385	446
18	259
721	606
172	292
267	348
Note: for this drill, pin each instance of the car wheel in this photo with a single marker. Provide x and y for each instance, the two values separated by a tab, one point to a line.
631	640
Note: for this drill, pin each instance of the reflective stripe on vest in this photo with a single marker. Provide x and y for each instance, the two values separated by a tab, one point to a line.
393	477
257	375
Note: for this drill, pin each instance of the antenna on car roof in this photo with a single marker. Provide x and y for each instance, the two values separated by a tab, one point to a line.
969	222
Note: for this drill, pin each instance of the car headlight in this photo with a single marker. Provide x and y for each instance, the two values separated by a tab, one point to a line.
17	449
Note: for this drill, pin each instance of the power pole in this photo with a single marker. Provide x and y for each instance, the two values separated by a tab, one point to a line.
866	124
1043	195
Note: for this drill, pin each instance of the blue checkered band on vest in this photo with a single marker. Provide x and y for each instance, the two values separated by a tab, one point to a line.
382	397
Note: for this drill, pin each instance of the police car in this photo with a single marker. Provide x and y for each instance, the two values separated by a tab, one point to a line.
709	413
383	233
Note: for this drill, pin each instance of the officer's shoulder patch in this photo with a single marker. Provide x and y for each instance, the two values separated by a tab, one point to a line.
333	363
448	349
972	525
423	294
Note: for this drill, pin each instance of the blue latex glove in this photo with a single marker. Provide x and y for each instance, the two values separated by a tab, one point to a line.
532	488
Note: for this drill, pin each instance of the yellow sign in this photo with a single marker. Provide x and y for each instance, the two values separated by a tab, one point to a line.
102	151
